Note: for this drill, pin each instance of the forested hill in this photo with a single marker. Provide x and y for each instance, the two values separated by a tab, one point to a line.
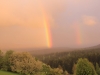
94	47
66	60
57	50
61	63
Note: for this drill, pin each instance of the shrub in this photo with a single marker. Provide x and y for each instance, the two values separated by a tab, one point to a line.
24	63
84	67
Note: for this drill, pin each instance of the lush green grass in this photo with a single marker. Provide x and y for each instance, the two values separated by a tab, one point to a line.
7	73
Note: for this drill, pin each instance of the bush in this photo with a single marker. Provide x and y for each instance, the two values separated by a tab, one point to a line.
24	63
84	67
97	69
6	63
1	59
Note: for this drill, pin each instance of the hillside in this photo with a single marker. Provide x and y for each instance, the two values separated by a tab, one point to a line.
57	50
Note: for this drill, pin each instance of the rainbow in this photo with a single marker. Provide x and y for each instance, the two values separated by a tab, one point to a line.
78	34
47	32
46	26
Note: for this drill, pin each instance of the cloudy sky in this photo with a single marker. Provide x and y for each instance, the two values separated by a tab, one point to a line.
49	23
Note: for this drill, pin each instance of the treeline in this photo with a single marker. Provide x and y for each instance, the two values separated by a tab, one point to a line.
25	64
66	60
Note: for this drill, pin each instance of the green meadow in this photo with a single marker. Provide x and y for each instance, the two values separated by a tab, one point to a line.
7	73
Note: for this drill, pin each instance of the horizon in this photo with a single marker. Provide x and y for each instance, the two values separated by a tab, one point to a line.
53	48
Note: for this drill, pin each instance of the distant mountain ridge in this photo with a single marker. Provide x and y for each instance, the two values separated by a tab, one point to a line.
94	47
37	51
50	50
98	46
55	50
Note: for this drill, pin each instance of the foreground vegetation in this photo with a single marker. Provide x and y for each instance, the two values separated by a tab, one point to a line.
66	60
25	64
7	73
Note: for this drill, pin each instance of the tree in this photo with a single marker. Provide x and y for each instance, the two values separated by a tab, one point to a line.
66	73
24	63
84	67
74	68
97	69
47	69
57	71
6	63
1	59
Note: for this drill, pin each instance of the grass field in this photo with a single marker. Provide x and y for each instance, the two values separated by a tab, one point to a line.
7	73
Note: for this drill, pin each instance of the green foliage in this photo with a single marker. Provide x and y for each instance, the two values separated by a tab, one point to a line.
84	67
68	58
66	73
56	71
7	73
97	69
74	68
1	59
46	69
24	63
49	71
6	63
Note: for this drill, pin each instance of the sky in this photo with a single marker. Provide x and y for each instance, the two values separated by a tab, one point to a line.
49	23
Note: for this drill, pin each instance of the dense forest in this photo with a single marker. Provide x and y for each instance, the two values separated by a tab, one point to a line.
24	63
66	60
77	62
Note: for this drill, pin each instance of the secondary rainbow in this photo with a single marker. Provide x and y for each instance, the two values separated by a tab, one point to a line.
78	34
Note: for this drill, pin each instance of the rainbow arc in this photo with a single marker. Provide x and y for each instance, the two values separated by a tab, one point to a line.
46	27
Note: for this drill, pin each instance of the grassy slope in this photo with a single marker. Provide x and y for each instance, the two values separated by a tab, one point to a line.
7	73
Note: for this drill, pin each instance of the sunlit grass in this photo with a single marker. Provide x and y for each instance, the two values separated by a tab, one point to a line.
7	73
